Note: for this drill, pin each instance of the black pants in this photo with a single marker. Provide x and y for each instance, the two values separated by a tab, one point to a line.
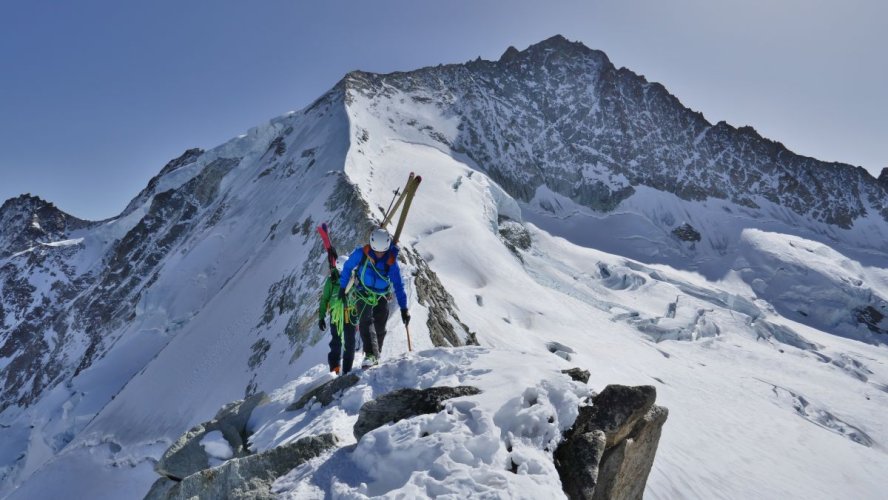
372	325
336	352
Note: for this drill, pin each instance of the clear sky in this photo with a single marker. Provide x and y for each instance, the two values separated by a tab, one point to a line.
97	95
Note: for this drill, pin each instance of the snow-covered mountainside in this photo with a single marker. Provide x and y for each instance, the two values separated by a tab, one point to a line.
562	200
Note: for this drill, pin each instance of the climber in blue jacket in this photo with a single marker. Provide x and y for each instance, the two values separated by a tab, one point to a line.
376	274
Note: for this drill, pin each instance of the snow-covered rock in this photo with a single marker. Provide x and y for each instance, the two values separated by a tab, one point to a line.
408	427
405	403
204	445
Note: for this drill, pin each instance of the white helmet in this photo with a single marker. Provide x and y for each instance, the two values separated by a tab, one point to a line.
340	262
380	241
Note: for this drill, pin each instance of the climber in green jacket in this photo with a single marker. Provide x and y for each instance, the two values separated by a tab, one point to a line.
332	304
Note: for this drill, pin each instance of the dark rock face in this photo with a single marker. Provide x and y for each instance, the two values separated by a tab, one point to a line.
622	429
873	319
186	456
592	132
326	393
406	403
247	477
686	232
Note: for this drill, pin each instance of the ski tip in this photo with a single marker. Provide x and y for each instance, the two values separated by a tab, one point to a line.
418	179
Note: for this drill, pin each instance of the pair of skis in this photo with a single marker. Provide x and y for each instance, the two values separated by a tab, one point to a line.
406	197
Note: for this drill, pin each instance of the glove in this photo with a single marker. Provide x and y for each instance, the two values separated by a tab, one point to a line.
405	316
322	325
342	294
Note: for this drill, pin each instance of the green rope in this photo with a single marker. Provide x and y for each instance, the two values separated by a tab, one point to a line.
337	316
342	313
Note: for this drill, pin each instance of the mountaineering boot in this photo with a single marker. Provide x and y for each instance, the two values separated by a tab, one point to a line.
369	360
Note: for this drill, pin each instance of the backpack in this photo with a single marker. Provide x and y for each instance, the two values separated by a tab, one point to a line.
389	262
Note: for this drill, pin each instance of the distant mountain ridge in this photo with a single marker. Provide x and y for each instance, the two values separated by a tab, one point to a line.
562	115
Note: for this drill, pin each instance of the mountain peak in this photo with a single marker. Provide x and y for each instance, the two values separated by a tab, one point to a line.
555	42
27	218
25	203
510	54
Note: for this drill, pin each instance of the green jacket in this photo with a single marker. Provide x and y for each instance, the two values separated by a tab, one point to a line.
329	298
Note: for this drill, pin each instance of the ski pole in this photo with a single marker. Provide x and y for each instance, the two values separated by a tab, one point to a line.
389	209
409	344
394	208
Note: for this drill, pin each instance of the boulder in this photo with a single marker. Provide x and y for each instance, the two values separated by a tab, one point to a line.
186	456
248	477
326	393
609	451
405	403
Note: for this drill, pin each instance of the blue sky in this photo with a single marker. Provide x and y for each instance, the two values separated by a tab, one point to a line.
97	95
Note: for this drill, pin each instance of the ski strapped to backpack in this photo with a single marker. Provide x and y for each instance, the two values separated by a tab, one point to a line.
325	239
409	192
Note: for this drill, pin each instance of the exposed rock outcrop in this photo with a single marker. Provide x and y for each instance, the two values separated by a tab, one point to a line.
686	232
248	477
577	374
609	451
406	403
186	456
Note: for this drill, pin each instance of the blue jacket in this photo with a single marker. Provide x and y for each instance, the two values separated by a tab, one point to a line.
372	275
